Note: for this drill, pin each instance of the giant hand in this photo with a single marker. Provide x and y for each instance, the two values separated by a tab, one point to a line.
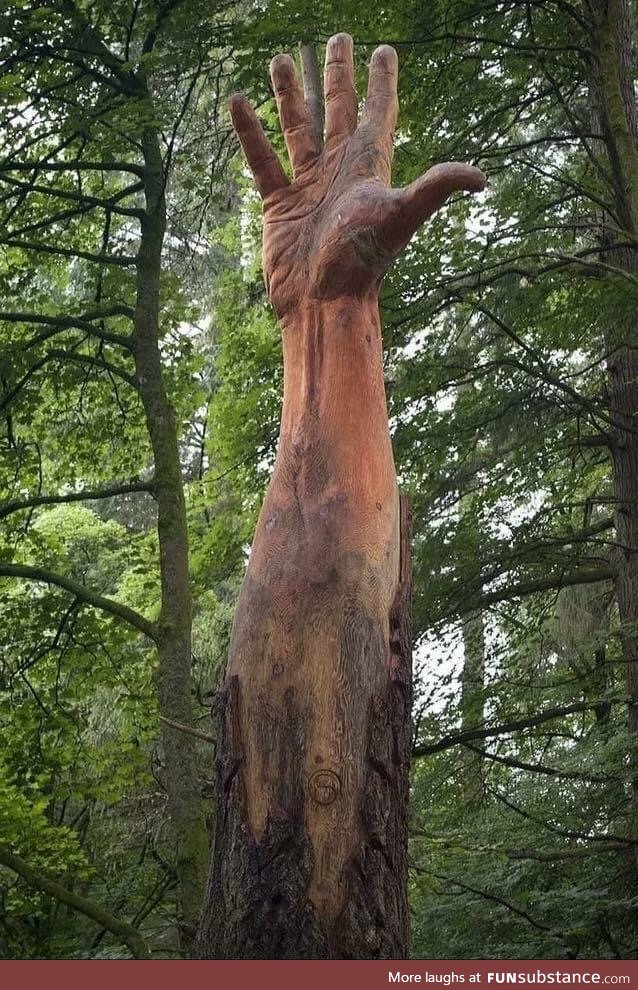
313	748
338	225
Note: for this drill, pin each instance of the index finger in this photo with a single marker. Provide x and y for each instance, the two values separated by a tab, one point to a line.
264	163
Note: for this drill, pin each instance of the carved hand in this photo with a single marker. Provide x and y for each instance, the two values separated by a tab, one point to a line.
336	228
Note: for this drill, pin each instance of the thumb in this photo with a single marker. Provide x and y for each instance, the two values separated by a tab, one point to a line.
427	194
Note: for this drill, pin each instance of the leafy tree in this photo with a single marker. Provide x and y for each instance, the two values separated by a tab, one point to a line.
100	107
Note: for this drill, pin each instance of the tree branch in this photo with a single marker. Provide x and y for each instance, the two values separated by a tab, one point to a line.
467	735
73	357
540	855
127	933
91	43
552	583
71	166
509	761
122	260
83	322
83	594
83	496
188	729
75	197
565	833
489	897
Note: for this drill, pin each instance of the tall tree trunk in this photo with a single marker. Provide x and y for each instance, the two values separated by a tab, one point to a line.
613	85
472	628
623	393
473	707
173	675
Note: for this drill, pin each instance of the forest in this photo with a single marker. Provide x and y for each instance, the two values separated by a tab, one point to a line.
141	384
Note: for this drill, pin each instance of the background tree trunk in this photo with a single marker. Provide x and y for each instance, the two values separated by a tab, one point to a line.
613	85
173	675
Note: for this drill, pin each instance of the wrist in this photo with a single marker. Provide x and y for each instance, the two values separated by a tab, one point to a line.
333	362
332	310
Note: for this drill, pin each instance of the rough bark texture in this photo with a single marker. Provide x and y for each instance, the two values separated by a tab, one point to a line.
623	389
173	637
314	713
613	86
325	875
473	632
616	114
473	708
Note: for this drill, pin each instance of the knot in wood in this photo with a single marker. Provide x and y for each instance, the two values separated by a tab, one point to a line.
324	786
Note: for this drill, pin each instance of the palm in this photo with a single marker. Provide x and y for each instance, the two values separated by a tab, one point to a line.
320	228
338	225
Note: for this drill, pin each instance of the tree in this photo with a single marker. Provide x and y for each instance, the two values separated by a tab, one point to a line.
314	721
86	185
548	285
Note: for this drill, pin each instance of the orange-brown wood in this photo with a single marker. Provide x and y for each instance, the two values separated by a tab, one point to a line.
326	545
314	721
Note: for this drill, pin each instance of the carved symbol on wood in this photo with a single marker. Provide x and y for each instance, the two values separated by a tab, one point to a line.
324	786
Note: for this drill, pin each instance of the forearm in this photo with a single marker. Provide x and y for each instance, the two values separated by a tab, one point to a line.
334	397
333	492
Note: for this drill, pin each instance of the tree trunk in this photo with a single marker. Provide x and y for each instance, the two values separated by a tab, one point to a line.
473	708
173	675
613	84
622	369
310	857
473	631
623	389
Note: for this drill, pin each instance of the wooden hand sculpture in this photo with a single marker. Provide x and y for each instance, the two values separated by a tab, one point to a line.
310	856
339	225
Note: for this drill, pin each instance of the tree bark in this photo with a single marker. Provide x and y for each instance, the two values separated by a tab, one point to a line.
173	637
623	391
613	86
472	706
